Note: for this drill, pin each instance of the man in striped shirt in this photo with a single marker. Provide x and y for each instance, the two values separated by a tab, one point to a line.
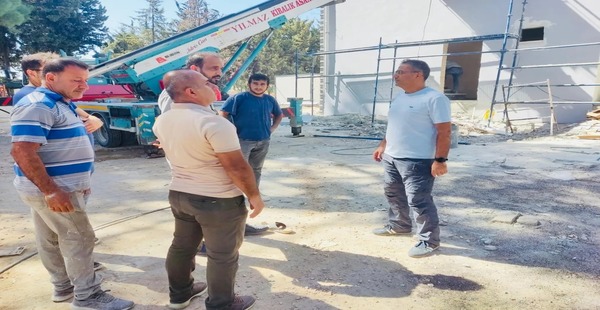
53	161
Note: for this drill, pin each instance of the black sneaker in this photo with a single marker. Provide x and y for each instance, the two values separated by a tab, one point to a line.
198	289
98	266
102	300
255	230
242	303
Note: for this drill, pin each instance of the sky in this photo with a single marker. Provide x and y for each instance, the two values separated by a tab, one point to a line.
121	11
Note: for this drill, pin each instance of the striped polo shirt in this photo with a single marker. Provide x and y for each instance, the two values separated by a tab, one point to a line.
44	117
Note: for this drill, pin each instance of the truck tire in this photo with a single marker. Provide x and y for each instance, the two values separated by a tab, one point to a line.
105	136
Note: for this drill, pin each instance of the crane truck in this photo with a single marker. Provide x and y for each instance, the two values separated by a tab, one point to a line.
140	71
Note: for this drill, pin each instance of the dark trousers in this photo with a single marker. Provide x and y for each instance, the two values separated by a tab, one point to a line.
408	186
255	153
220	221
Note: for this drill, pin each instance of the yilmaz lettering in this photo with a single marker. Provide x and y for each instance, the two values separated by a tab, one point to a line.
250	22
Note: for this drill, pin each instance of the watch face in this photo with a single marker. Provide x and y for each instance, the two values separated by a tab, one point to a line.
441	159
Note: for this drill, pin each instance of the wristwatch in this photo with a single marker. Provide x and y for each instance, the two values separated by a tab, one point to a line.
441	159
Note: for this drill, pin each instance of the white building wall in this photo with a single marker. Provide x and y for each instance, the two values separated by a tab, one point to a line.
361	23
285	88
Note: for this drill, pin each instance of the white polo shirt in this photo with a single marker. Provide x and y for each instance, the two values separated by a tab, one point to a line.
191	135
411	131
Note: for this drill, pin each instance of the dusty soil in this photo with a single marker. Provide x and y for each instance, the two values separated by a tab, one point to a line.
520	214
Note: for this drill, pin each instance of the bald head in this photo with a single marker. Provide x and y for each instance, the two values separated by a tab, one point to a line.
188	86
167	78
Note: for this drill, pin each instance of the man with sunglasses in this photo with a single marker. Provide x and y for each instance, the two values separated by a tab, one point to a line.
414	152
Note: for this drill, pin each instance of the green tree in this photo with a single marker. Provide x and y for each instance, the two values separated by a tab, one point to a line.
125	40
193	13
74	26
152	23
12	13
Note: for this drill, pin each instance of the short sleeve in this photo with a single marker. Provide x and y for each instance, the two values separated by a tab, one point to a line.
440	109
228	105
221	135
276	108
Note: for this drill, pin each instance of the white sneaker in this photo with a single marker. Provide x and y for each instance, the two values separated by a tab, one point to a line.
421	249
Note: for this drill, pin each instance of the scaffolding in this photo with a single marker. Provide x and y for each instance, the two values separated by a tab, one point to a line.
507	90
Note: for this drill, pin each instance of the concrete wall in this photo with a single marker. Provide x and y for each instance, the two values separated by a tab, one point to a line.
361	23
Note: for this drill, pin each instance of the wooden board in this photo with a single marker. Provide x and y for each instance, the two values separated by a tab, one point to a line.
12	251
589	137
594	114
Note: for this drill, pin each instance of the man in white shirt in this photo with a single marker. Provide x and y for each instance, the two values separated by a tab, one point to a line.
414	152
209	178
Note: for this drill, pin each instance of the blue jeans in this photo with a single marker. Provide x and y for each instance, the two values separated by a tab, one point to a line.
408	186
255	153
220	221
65	242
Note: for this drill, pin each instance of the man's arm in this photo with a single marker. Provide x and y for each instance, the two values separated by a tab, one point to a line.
224	114
276	121
442	148
26	156
277	114
242	176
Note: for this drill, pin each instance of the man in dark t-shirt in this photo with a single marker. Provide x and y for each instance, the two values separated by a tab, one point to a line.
255	115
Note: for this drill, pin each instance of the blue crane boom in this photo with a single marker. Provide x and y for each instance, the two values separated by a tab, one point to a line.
143	69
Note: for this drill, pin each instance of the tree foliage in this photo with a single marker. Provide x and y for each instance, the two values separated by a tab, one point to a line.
152	23
12	13
125	40
149	26
74	26
193	13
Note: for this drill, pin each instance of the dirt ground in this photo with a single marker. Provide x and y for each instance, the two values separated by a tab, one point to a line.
520	216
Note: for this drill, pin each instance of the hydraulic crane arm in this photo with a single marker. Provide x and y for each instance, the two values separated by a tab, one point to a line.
145	67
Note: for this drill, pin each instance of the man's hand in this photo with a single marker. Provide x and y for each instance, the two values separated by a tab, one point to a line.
92	123
240	172
156	143
438	169
256	205
59	201
378	153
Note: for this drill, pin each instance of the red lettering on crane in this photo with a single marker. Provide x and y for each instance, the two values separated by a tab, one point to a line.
302	2
282	9
250	22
